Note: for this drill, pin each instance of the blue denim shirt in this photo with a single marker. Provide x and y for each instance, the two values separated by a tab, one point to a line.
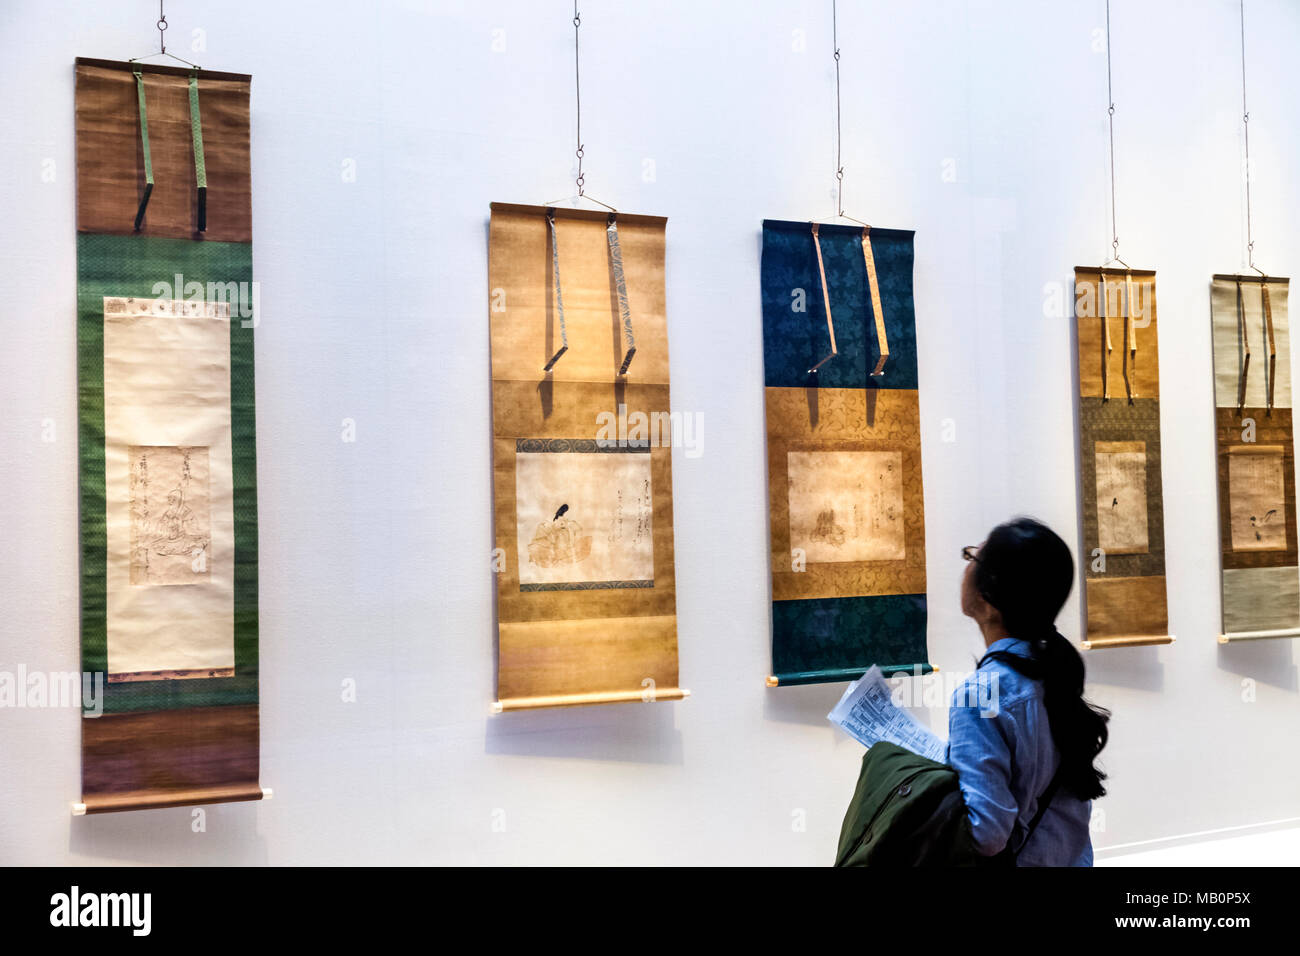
1001	746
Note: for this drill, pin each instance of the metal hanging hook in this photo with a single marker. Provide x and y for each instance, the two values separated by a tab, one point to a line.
161	26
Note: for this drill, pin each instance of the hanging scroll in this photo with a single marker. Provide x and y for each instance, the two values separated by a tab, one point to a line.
843	453
168	472
1256	458
582	458
1119	458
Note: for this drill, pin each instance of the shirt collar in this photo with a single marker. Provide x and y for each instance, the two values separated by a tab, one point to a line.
1013	644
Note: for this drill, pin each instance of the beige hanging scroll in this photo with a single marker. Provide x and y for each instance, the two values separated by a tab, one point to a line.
582	458
1256	458
1119	455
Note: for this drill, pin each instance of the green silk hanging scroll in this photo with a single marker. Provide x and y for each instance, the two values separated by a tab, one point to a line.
1123	555
168	470
1256	458
843	453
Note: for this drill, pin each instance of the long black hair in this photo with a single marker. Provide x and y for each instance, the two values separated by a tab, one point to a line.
1025	570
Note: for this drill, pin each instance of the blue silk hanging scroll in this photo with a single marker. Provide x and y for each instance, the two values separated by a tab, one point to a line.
843	452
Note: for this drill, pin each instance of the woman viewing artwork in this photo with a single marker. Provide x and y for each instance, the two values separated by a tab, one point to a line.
1021	736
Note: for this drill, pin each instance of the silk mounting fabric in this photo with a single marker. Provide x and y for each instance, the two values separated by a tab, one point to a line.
167	452
1260	576
843	453
1123	556
582	458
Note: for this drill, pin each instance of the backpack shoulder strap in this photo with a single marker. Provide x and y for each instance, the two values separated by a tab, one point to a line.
1044	802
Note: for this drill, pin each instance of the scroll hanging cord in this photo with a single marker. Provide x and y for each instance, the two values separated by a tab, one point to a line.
1244	337
620	288
200	166
559	299
1104	296
826	301
1130	336
144	144
873	285
1272	343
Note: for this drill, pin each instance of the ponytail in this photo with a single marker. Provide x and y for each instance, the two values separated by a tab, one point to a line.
1078	727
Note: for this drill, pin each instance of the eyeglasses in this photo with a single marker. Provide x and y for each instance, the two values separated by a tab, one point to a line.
971	552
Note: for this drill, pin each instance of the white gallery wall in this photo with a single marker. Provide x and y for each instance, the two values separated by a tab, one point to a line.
381	132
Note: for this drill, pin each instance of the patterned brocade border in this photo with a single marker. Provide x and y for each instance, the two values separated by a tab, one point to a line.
586	446
845	419
1270	429
1117	420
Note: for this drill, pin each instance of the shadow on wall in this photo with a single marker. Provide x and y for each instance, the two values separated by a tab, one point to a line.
631	733
1137	668
230	836
1270	661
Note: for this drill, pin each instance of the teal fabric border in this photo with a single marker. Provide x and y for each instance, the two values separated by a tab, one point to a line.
131	266
836	675
831	639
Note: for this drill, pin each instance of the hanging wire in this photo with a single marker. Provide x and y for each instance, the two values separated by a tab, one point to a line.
839	137
1245	125
839	164
1110	111
581	180
162	42
577	95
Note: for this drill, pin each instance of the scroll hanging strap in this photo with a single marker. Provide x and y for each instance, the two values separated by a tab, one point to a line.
200	167
559	299
148	158
620	288
1244	338
826	301
873	285
1130	334
1104	296
1272	344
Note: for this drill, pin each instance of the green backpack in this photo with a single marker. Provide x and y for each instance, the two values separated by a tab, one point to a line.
908	810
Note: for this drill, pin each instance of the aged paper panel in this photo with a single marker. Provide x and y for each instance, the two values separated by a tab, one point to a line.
1122	496
847	505
171	528
584	519
1257	498
168	488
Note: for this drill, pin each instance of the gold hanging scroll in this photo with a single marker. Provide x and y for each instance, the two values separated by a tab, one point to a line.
582	458
1123	557
1256	454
